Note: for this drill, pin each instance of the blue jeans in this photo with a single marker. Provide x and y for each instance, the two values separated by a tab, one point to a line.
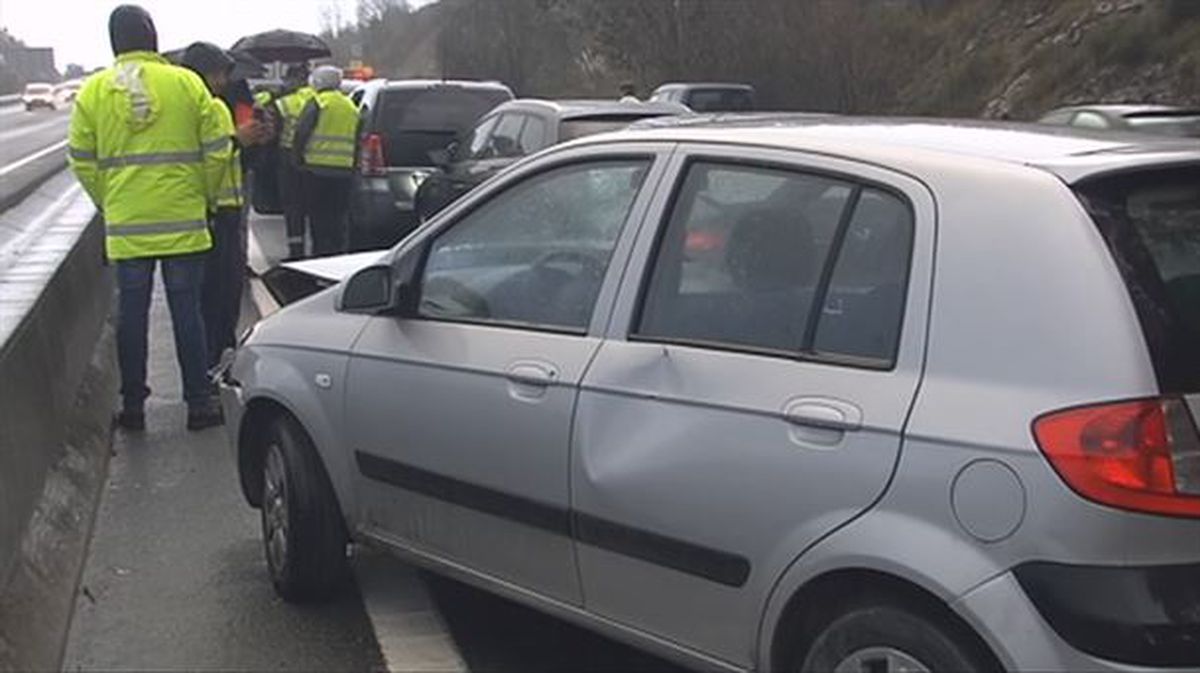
183	277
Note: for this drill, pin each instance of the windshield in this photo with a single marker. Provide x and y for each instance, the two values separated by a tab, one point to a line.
1179	125
415	122
1151	222
37	88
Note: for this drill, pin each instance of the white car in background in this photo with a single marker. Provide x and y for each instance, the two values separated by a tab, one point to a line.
39	94
65	92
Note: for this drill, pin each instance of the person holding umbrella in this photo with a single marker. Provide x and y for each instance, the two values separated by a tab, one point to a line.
225	265
324	148
297	94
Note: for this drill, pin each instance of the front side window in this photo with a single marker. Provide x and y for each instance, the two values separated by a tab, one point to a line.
779	261
475	143
536	254
505	142
533	136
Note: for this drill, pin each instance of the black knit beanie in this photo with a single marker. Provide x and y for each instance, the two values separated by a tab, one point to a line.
130	28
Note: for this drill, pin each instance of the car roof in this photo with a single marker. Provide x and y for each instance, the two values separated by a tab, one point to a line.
705	85
583	108
398	84
910	143
1123	109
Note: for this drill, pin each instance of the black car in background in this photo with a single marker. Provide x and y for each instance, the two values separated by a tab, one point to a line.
1166	120
401	123
520	128
707	96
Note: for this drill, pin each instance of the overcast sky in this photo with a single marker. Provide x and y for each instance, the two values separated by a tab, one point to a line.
78	29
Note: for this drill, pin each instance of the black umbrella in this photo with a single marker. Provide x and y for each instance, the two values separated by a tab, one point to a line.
283	45
245	66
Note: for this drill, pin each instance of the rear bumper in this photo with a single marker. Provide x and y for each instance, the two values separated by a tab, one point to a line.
1145	616
1049	627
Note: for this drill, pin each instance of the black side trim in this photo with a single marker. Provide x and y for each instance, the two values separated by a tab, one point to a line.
481	498
1140	615
711	564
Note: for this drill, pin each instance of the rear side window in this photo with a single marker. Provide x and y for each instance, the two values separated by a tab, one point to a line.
1178	125
782	262
1151	223
720	100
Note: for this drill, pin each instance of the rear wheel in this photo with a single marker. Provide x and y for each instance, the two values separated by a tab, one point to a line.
304	535
891	638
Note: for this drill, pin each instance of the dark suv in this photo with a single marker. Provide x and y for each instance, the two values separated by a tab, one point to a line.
520	128
707	96
402	122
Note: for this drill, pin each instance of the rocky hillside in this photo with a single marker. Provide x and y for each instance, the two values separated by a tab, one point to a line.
996	58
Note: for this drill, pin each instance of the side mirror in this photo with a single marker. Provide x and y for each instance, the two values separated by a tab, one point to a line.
369	290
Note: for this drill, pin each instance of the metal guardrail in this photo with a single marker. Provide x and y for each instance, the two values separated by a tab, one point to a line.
11	99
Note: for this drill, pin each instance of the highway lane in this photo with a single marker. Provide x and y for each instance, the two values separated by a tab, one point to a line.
32	144
22	133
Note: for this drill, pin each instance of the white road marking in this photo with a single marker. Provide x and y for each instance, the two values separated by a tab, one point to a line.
28	159
410	631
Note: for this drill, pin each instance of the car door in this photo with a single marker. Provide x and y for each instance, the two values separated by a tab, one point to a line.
751	395
459	418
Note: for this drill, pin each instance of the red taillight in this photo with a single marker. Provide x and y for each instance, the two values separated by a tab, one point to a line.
371	162
1142	455
703	241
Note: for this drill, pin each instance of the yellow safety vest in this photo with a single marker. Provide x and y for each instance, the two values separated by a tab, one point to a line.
230	193
146	143
331	145
290	107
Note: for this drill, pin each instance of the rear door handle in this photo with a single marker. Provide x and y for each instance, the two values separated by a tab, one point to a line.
532	374
823	412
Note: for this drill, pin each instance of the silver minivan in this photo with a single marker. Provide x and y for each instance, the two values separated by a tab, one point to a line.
857	395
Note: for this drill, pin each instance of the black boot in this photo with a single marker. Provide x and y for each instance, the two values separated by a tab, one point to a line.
205	415
133	420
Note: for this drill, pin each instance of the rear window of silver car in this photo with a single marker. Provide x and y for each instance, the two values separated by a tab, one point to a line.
1150	220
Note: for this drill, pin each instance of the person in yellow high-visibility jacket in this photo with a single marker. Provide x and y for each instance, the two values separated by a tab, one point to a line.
291	190
324	147
225	267
148	147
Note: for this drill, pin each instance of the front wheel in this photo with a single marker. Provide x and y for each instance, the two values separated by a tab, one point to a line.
885	638
304	535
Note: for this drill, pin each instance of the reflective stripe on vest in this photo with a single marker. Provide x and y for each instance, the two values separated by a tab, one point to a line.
229	194
331	144
290	108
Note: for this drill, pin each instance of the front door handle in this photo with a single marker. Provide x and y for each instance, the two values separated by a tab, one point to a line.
532	374
825	413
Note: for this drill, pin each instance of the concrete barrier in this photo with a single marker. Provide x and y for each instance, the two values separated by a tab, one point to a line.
58	384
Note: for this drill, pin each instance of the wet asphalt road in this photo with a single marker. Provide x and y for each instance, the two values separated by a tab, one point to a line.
175	577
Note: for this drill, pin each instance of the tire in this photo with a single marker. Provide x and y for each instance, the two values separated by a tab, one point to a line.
886	638
304	534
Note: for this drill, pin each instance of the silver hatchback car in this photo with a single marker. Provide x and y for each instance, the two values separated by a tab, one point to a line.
818	394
